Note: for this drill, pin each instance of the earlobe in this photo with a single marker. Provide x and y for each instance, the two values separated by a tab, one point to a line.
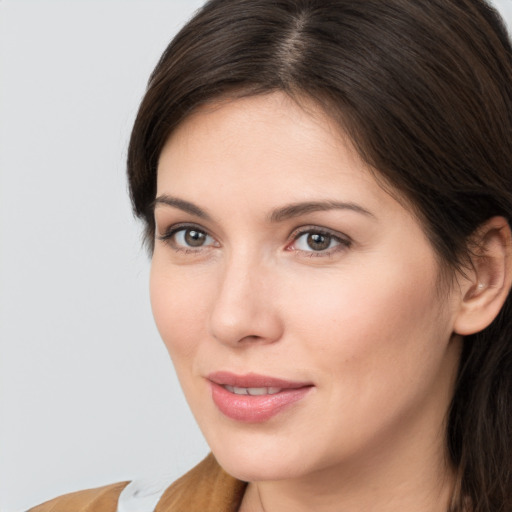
486	287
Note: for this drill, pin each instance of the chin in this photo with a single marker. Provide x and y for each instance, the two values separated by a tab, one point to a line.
255	461
256	468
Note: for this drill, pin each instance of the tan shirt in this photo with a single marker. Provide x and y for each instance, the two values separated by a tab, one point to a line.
205	488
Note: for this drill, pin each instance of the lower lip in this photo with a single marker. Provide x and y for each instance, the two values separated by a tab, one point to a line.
255	409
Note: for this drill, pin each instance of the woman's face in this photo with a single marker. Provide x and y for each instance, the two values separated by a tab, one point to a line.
298	300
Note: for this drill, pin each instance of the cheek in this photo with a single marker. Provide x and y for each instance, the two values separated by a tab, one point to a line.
371	320
178	312
377	344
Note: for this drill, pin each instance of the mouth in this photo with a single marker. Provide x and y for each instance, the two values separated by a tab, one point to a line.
253	398
252	391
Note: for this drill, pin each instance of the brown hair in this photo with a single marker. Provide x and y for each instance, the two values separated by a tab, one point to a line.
424	90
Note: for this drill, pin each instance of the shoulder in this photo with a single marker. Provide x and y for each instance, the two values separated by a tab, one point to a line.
206	488
102	499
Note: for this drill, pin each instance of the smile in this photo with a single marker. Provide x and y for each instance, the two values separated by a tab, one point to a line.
252	391
254	398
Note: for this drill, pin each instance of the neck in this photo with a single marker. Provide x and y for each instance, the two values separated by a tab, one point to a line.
406	475
419	486
403	468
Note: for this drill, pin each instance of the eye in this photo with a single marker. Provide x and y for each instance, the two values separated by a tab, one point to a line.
188	237
318	242
191	237
314	242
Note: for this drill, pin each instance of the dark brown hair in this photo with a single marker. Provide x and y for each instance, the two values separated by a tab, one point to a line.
424	90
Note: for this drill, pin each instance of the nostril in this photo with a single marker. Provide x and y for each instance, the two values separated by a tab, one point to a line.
243	312
247	327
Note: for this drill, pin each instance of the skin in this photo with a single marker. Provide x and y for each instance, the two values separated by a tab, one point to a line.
364	321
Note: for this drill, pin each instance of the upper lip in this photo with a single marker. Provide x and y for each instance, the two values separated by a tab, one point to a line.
253	380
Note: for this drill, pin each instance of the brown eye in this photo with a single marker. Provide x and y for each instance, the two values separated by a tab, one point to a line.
318	241
194	238
191	238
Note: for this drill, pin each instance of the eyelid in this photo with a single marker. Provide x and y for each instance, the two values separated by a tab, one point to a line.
344	240
172	229
313	228
169	232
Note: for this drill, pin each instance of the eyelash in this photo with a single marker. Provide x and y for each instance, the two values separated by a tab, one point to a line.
168	237
342	241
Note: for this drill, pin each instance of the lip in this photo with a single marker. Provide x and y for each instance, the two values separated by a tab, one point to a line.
253	380
254	409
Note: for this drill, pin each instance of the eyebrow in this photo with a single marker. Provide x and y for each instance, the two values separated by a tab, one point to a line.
181	204
279	215
297	209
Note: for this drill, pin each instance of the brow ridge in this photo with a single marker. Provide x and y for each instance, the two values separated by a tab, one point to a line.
181	204
278	215
298	209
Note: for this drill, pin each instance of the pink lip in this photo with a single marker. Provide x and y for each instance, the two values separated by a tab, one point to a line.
254	409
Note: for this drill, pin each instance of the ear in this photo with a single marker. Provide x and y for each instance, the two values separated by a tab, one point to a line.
487	284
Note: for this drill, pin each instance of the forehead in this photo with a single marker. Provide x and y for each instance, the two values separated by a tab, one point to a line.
251	155
240	161
261	138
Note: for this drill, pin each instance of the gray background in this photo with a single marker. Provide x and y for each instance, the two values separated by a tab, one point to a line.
87	392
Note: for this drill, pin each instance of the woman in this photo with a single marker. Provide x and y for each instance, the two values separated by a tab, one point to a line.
327	196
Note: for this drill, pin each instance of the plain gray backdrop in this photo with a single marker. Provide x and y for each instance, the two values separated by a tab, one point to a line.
88	395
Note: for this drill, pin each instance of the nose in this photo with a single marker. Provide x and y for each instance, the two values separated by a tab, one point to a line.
244	309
